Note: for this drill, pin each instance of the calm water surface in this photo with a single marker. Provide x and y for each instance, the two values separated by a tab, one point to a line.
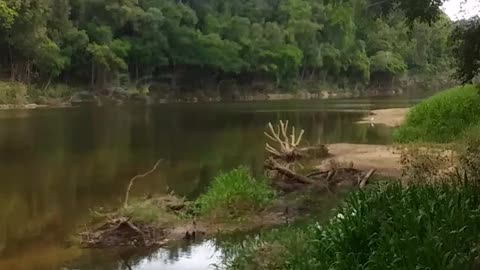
56	164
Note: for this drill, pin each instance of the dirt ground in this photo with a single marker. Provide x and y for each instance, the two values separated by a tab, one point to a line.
388	117
383	158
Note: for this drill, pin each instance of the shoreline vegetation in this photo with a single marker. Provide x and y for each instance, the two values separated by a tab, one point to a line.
20	96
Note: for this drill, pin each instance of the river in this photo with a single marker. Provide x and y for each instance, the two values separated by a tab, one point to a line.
57	164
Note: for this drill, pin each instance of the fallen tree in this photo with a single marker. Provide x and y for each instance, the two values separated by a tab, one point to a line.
284	159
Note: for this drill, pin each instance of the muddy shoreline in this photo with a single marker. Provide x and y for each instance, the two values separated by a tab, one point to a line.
388	117
101	100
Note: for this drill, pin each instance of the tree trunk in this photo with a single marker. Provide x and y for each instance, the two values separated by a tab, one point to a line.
48	83
12	65
312	74
92	76
304	71
136	74
28	71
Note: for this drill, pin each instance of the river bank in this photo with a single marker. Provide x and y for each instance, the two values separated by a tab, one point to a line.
21	96
85	97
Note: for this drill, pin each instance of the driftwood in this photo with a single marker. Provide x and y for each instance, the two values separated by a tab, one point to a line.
127	193
331	178
271	164
122	232
288	142
364	181
330	175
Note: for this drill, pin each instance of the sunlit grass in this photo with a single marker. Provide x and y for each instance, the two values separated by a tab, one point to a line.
233	193
443	117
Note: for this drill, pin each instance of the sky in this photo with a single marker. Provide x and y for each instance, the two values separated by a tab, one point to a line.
456	10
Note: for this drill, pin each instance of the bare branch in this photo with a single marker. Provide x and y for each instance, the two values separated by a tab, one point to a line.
127	194
287	141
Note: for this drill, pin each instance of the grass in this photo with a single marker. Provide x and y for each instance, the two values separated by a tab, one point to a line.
443	117
13	93
145	211
234	193
19	93
421	226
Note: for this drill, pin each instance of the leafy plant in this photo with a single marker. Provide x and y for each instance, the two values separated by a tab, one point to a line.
12	93
233	193
420	226
443	117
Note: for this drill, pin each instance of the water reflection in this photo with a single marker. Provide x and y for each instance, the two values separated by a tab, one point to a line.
57	164
203	255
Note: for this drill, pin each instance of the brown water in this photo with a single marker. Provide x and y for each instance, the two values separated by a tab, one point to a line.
56	164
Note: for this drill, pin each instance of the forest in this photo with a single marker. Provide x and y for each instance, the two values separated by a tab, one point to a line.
217	45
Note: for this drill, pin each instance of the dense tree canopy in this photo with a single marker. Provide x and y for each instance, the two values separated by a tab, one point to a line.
204	43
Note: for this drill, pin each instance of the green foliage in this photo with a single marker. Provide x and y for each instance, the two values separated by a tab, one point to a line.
12	93
420	226
7	15
280	41
234	193
443	117
57	91
387	62
466	39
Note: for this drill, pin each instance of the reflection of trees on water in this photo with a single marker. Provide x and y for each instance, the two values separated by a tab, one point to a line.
55	165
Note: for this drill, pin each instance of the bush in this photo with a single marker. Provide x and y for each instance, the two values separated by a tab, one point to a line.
421	226
13	93
443	117
56	91
233	193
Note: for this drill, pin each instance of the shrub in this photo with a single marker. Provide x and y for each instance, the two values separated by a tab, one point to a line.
56	91
443	117
233	193
13	93
421	226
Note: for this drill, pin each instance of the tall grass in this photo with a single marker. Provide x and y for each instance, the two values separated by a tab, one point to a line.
233	193
13	93
443	117
20	93
421	226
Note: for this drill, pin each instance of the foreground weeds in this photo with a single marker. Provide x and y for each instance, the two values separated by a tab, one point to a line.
420	226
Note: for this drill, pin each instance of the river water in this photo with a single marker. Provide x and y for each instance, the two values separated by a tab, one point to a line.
57	164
